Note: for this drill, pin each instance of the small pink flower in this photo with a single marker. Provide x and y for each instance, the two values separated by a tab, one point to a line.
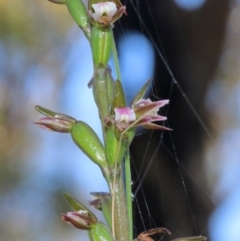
105	13
103	9
124	117
125	114
142	113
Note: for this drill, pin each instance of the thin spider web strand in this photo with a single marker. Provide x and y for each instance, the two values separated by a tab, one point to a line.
174	80
184	185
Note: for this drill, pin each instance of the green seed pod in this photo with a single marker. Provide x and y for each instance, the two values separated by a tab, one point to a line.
101	43
78	11
114	149
100	233
88	141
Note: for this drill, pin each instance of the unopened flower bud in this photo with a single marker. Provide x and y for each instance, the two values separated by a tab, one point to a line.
80	219
55	124
54	121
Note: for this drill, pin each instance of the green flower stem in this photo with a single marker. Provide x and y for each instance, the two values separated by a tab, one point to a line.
102	45
115	59
129	193
120	226
126	206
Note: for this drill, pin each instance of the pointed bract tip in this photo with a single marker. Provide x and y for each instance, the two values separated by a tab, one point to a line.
58	1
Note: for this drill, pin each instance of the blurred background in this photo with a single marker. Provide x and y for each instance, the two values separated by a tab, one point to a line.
186	180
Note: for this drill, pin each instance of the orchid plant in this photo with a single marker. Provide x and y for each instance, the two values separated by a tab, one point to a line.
119	123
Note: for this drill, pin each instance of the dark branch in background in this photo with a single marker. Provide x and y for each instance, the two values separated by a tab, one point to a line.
191	43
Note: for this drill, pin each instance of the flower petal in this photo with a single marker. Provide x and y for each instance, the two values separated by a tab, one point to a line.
153	126
95	16
103	8
125	115
147	107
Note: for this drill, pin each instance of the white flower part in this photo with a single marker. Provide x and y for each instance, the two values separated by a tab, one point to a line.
83	212
103	8
124	115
